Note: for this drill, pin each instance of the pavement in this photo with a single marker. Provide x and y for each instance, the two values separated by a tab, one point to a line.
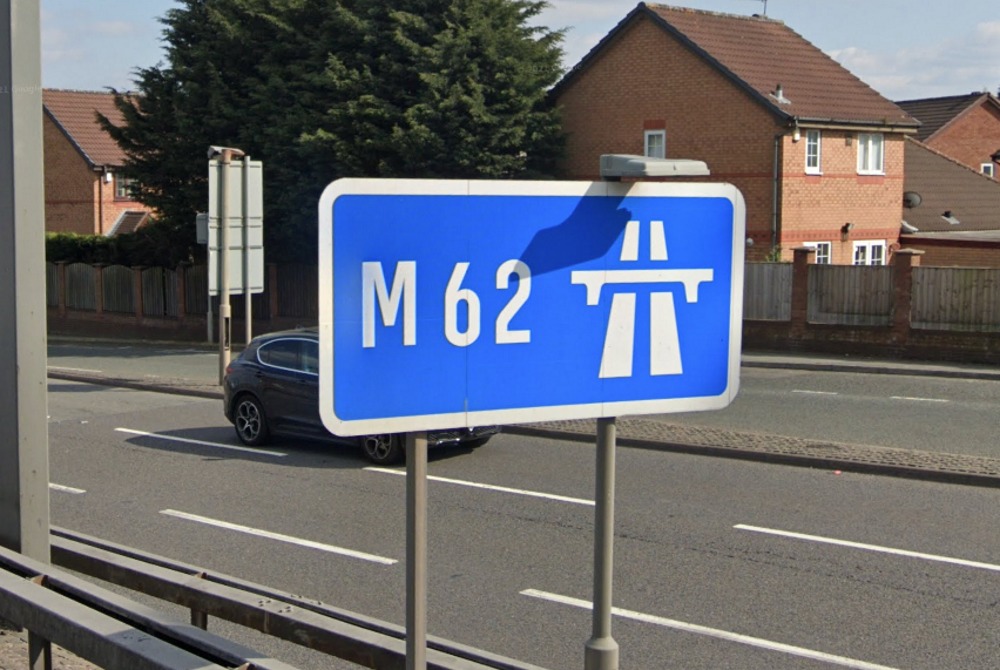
660	434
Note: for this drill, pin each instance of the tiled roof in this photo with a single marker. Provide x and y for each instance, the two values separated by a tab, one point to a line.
758	54
75	113
129	221
935	113
945	185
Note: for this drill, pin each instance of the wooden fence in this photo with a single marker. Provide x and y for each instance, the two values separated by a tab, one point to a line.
939	299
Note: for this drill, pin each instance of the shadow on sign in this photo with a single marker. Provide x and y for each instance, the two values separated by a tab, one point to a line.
587	234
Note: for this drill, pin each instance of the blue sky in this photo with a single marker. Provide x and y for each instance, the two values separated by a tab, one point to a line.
902	48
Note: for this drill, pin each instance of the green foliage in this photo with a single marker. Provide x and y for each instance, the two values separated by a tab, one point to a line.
323	89
154	244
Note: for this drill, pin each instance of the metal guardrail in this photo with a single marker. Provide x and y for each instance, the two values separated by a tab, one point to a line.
107	629
368	642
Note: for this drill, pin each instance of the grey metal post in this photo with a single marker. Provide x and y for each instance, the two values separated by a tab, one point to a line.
416	551
24	440
601	651
225	312
248	312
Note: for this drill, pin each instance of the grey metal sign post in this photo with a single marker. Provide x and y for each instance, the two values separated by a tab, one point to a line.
24	447
601	650
234	235
416	551
225	315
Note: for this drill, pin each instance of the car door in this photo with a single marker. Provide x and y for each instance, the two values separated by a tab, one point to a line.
290	385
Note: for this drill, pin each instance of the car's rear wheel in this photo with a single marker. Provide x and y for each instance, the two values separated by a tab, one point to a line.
383	449
250	422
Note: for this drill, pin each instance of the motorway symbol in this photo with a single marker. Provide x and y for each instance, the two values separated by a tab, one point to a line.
457	303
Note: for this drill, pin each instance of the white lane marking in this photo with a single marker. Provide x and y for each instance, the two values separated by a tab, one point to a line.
65	489
55	367
202	443
915	399
870	547
713	632
280	538
806	392
491	487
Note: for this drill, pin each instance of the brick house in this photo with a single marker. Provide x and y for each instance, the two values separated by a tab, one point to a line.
964	127
85	191
817	153
954	212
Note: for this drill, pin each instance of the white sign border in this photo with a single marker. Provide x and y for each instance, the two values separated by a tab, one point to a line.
430	422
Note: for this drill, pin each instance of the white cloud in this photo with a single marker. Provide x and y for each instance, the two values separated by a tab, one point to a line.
954	66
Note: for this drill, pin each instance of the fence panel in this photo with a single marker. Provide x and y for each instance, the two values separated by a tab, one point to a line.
196	289
965	299
51	284
119	289
81	286
159	292
298	294
767	292
850	295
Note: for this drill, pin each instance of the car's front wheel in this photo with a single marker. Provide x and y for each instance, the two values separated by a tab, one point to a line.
250	422
383	449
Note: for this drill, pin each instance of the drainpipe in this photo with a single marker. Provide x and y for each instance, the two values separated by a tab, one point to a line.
100	200
774	192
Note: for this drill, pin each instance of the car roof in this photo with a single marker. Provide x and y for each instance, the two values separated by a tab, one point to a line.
307	333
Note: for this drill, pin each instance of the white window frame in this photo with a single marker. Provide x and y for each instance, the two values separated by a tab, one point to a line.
660	135
824	251
871	153
814	140
987	169
869	253
123	187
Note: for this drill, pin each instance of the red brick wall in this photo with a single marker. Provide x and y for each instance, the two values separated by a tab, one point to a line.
972	138
69	184
958	254
645	77
815	207
77	198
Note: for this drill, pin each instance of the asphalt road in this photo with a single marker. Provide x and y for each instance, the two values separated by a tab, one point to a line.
927	413
719	563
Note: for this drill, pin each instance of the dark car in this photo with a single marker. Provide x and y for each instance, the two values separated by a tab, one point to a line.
272	388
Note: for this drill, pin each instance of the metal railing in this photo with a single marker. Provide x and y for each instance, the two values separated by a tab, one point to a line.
60	609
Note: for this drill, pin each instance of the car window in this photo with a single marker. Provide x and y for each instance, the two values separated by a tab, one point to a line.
281	354
310	357
291	354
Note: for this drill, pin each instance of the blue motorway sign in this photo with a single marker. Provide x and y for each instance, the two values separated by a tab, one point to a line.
458	303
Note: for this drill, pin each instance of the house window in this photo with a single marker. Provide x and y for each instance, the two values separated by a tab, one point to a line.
987	169
812	152
869	253
823	251
123	187
870	154
656	143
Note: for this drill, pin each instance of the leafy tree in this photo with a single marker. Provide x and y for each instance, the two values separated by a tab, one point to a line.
322	89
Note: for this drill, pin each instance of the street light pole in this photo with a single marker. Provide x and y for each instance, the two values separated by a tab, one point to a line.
226	155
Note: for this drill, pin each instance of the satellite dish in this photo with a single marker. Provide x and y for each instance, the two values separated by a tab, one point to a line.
911	199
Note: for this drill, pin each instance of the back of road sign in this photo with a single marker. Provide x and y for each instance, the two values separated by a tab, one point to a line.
460	303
